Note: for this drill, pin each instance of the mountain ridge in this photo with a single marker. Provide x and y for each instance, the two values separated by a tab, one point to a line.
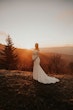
61	50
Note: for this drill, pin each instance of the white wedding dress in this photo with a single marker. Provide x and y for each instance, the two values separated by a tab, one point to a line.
38	72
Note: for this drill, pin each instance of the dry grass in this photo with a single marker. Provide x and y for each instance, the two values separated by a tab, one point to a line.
18	91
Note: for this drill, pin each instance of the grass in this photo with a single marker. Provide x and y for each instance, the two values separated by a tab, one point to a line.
18	91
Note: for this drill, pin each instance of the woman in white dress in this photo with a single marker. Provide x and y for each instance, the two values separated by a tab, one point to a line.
38	72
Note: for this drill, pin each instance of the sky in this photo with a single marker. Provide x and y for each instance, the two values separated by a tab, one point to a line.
48	22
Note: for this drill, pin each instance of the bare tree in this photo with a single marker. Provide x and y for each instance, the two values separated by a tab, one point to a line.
56	64
70	67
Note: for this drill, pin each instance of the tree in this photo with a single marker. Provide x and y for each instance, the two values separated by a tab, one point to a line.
56	64
9	57
70	66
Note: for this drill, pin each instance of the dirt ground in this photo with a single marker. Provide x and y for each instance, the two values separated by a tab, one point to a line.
18	91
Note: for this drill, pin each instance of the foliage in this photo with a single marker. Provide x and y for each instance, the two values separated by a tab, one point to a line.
56	64
70	66
9	58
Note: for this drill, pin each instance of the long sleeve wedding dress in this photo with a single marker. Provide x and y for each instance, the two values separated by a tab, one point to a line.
38	73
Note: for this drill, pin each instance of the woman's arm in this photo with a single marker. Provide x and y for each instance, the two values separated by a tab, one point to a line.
35	58
35	55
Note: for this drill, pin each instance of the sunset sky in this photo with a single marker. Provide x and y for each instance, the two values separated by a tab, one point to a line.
48	22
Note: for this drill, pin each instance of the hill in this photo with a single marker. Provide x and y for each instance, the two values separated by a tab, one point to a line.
61	50
18	91
1	46
25	56
66	52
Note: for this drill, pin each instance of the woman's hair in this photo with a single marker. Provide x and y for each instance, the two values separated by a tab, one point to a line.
36	46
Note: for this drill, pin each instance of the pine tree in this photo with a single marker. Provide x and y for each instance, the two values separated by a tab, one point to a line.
9	58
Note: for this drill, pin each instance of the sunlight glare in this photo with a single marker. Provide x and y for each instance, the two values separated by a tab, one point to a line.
29	45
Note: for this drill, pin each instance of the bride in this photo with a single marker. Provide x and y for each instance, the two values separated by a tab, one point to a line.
38	72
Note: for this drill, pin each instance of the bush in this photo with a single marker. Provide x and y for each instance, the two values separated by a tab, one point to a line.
56	64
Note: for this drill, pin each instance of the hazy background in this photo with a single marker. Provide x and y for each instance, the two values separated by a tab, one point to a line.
48	22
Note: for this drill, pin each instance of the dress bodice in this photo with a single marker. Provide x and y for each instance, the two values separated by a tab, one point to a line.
35	54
